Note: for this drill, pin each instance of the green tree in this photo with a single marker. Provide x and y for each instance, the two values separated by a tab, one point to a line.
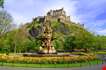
2	3
78	38
100	42
5	22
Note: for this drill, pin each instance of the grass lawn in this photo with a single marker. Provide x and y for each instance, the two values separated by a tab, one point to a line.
94	62
101	52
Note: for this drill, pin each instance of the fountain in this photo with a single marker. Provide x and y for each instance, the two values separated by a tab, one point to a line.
46	39
45	34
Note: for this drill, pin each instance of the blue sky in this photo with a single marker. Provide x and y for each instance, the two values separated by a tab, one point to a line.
91	13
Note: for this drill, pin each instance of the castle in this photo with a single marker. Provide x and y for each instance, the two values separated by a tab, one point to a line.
59	15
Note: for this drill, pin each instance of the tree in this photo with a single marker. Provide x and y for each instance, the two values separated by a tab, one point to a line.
78	38
2	3
5	21
70	43
99	42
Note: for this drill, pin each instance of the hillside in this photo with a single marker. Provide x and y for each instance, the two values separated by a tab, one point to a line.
67	34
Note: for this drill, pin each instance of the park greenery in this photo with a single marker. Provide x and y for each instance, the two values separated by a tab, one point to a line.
46	59
64	65
68	37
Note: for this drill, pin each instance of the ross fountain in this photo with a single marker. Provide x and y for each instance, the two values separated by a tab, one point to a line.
46	39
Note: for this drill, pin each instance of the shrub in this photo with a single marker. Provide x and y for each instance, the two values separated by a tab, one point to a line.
47	59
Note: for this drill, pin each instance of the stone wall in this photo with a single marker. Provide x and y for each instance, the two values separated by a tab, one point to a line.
59	14
52	15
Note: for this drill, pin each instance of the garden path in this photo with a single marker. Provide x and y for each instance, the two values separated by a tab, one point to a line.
95	67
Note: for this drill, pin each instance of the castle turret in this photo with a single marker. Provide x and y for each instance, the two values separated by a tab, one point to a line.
59	14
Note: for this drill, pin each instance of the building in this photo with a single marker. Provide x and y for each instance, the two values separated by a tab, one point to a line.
57	15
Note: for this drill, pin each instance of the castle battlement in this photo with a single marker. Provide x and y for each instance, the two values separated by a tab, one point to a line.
59	15
58	12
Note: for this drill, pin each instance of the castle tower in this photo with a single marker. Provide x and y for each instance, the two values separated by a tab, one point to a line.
59	14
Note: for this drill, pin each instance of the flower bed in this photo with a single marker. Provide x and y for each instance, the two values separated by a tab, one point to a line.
46	59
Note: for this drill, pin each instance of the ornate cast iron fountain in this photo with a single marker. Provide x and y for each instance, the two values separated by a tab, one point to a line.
46	38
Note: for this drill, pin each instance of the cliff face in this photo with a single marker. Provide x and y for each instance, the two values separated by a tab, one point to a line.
59	22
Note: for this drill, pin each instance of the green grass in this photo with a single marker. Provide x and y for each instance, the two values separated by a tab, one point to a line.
94	62
101	52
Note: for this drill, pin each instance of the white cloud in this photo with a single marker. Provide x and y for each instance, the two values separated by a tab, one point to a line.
83	11
22	9
87	12
19	19
102	32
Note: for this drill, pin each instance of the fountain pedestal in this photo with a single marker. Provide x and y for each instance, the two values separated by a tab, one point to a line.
46	51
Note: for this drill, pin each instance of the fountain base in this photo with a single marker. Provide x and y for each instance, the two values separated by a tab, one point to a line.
46	51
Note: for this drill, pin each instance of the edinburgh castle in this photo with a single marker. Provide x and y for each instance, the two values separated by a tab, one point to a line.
58	15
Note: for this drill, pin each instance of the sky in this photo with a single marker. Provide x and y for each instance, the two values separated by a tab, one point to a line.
91	13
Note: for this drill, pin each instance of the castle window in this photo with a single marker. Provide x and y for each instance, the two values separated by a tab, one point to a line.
58	19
